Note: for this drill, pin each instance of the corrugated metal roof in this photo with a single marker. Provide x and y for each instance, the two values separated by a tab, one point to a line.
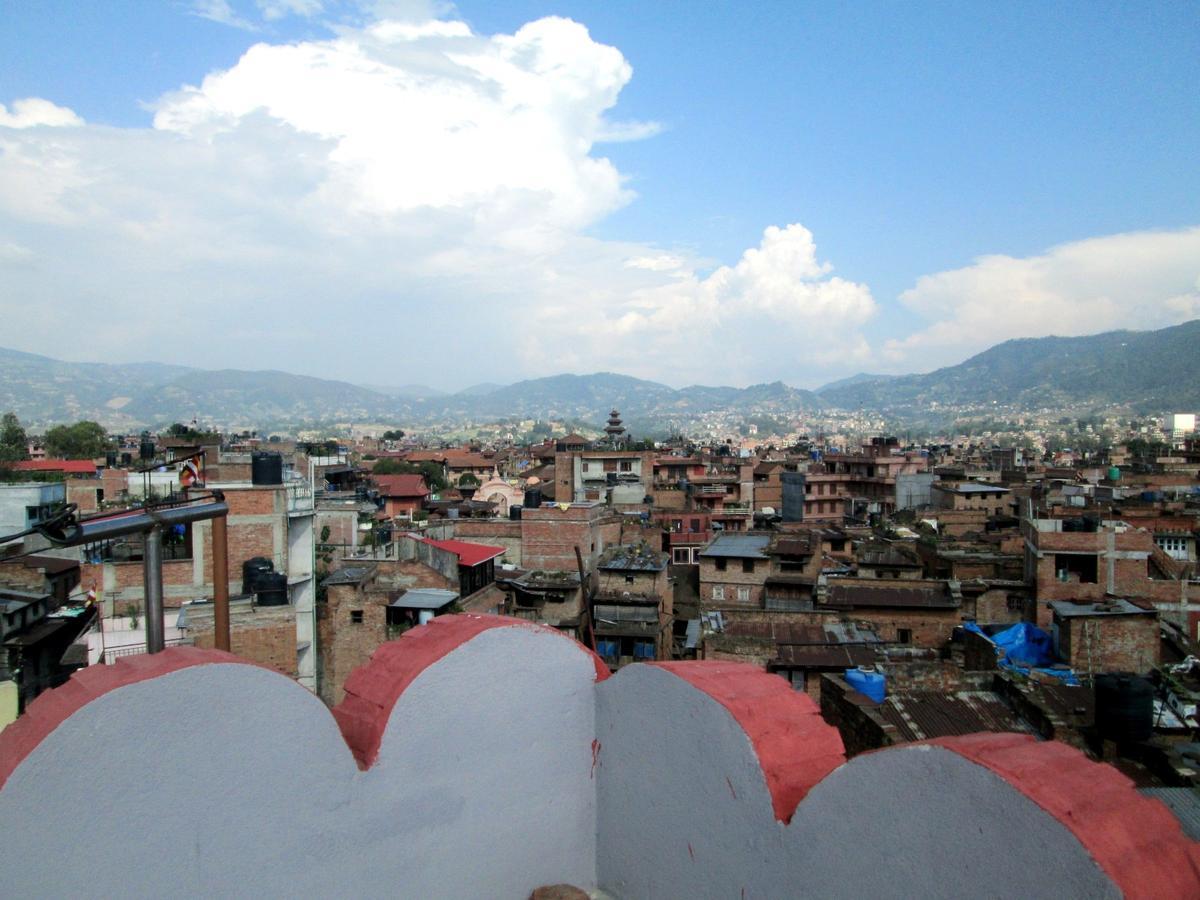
973	487
424	598
1184	803
890	595
349	575
927	714
745	546
832	656
633	559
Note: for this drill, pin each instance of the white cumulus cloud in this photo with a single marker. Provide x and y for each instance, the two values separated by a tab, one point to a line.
34	111
402	195
1139	280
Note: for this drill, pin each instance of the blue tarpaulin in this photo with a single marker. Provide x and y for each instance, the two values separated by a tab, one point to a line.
1025	648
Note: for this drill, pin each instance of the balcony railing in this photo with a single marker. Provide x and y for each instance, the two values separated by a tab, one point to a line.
300	497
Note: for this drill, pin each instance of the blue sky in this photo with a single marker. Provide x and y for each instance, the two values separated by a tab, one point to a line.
956	174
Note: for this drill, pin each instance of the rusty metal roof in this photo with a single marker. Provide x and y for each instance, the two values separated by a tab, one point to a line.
890	594
829	656
928	714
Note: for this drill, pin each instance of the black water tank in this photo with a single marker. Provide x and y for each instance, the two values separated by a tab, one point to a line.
514	512
146	450
533	497
253	571
266	468
110	459
272	589
1124	707
127	459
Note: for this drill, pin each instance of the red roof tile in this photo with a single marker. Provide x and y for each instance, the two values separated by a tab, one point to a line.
402	485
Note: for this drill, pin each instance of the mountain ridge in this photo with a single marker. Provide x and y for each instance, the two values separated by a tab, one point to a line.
1138	371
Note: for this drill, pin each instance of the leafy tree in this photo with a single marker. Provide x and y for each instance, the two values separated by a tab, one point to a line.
394	434
83	440
187	433
14	445
468	480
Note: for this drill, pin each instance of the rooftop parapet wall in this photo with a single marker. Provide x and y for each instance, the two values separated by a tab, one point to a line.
481	756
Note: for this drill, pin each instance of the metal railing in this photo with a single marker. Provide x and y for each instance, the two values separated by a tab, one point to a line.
111	654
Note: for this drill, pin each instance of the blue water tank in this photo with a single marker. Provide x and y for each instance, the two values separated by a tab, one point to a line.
867	682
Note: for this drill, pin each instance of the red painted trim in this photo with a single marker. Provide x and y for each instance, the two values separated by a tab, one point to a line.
1136	840
372	690
52	708
795	748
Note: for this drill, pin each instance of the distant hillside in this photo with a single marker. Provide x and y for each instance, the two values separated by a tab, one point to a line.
480	390
860	378
407	391
1145	371
43	391
1138	371
230	395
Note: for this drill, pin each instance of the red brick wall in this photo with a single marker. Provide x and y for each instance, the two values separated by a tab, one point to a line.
1111	643
271	644
730	580
255	501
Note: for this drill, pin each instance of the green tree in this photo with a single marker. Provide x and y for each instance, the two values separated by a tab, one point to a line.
83	440
14	445
393	435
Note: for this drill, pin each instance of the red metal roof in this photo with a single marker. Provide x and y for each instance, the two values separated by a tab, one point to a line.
69	466
468	554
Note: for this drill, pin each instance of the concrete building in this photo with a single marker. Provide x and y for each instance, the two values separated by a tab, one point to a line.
25	504
613	477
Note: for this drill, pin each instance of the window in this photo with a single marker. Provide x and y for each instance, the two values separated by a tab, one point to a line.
629	579
721	565
718	592
677	524
904	635
643	650
626	466
1016	603
747	565
681	555
743	595
356	617
1077	568
695	524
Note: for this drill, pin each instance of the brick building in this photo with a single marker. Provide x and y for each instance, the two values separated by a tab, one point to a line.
733	570
402	495
274	522
632	609
1085	558
991	499
550	534
1108	636
358	616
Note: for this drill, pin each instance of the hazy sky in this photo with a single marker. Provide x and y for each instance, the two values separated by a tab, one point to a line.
690	192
